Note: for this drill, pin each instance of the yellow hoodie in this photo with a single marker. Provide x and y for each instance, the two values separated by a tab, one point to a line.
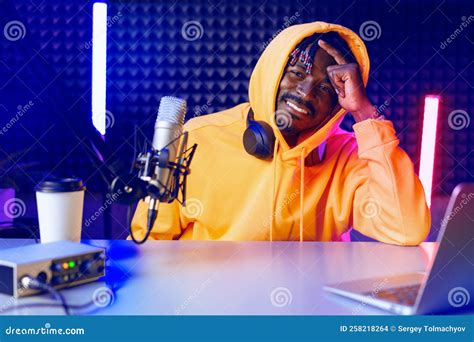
364	181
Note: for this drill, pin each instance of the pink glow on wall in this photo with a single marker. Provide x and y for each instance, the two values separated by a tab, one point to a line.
428	144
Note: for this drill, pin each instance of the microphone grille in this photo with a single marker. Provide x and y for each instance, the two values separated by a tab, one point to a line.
172	109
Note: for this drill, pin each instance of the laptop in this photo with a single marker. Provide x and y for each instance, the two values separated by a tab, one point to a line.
448	285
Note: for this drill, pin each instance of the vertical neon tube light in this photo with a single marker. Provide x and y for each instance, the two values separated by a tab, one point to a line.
99	59
428	143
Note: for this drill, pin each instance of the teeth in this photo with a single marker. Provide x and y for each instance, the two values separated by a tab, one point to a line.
295	107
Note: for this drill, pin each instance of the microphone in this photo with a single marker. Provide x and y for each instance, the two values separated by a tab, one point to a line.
162	169
168	130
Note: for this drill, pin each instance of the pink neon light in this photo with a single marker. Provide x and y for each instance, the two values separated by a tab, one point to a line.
346	236
428	142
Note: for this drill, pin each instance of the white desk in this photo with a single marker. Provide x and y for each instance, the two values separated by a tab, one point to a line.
232	278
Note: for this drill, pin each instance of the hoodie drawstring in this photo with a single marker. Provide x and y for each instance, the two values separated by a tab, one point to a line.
273	190
302	193
302	163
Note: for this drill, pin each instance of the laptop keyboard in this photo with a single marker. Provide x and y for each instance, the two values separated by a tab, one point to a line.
405	295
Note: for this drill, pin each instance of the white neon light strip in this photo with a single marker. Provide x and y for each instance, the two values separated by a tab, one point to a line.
99	59
428	143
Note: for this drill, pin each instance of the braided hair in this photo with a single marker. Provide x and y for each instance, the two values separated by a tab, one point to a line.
307	57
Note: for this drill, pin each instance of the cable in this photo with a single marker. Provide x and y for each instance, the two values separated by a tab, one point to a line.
37	284
147	234
151	218
53	305
34	283
47	305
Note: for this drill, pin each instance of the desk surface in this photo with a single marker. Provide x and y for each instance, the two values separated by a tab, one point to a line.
231	278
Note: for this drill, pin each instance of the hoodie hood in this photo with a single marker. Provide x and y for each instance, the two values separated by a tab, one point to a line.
267	74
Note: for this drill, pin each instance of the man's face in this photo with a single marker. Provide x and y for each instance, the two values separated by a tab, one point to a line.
309	99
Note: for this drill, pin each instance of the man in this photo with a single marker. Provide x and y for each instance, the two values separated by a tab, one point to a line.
297	175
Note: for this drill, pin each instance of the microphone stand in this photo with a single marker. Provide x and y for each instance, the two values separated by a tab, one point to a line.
147	162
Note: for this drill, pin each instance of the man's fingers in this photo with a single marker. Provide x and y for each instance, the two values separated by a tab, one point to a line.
339	74
336	88
334	71
337	82
336	54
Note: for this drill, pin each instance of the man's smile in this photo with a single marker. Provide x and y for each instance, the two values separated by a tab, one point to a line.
297	106
294	106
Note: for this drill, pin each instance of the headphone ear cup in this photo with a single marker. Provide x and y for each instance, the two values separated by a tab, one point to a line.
259	140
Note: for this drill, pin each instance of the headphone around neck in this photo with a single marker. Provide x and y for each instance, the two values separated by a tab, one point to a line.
259	140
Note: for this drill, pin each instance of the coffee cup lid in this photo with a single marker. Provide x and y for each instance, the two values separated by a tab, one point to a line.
61	185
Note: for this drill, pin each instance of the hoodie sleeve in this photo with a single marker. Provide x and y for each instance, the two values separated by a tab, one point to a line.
167	225
388	201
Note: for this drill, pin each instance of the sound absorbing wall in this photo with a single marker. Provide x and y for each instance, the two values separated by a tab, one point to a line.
150	54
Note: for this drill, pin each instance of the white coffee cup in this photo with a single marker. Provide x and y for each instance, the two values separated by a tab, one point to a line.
60	204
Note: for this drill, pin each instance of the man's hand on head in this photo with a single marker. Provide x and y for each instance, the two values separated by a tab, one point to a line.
347	82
